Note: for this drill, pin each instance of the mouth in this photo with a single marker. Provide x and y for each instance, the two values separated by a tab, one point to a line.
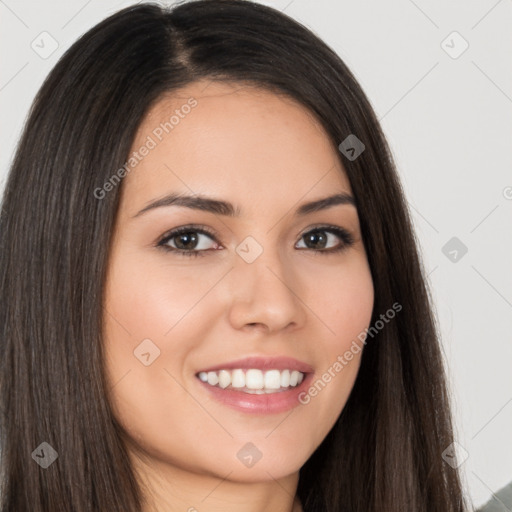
257	384
253	380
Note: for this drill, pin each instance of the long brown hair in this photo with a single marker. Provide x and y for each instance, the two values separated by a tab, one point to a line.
385	451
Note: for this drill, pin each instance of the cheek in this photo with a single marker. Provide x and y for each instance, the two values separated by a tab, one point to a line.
151	307
149	298
343	301
145	301
342	298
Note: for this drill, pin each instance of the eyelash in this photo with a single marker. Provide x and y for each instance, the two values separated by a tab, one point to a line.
343	234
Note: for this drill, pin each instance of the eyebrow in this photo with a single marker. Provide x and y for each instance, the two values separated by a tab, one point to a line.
218	207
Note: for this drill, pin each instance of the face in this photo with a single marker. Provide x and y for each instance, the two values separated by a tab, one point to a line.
215	334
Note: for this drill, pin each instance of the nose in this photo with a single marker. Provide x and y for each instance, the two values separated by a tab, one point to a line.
265	295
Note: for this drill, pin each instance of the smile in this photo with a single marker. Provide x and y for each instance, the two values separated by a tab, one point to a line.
257	384
253	380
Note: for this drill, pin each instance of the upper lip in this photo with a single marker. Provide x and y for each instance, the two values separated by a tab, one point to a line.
263	363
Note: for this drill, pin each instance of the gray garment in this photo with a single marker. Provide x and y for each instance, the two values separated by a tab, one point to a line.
501	501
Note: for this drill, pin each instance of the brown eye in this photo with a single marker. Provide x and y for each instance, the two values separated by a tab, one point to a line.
323	239
189	241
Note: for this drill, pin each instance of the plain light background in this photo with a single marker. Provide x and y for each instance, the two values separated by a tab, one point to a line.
445	103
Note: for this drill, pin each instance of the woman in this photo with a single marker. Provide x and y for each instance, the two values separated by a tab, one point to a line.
293	362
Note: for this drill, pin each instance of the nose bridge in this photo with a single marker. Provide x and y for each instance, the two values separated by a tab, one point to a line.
264	291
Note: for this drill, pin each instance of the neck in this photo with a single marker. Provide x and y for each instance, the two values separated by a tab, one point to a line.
167	488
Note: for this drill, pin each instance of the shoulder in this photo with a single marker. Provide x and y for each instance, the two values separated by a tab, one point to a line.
501	501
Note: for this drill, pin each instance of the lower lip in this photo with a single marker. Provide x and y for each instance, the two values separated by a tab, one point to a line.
268	403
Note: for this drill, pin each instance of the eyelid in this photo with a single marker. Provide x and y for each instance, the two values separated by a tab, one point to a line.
190	227
198	228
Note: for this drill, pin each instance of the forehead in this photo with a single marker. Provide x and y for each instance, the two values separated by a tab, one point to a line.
235	141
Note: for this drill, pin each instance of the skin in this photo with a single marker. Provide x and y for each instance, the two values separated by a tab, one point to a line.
266	154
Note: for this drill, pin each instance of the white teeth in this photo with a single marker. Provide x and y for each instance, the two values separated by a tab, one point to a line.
224	379
238	379
253	381
272	379
285	378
